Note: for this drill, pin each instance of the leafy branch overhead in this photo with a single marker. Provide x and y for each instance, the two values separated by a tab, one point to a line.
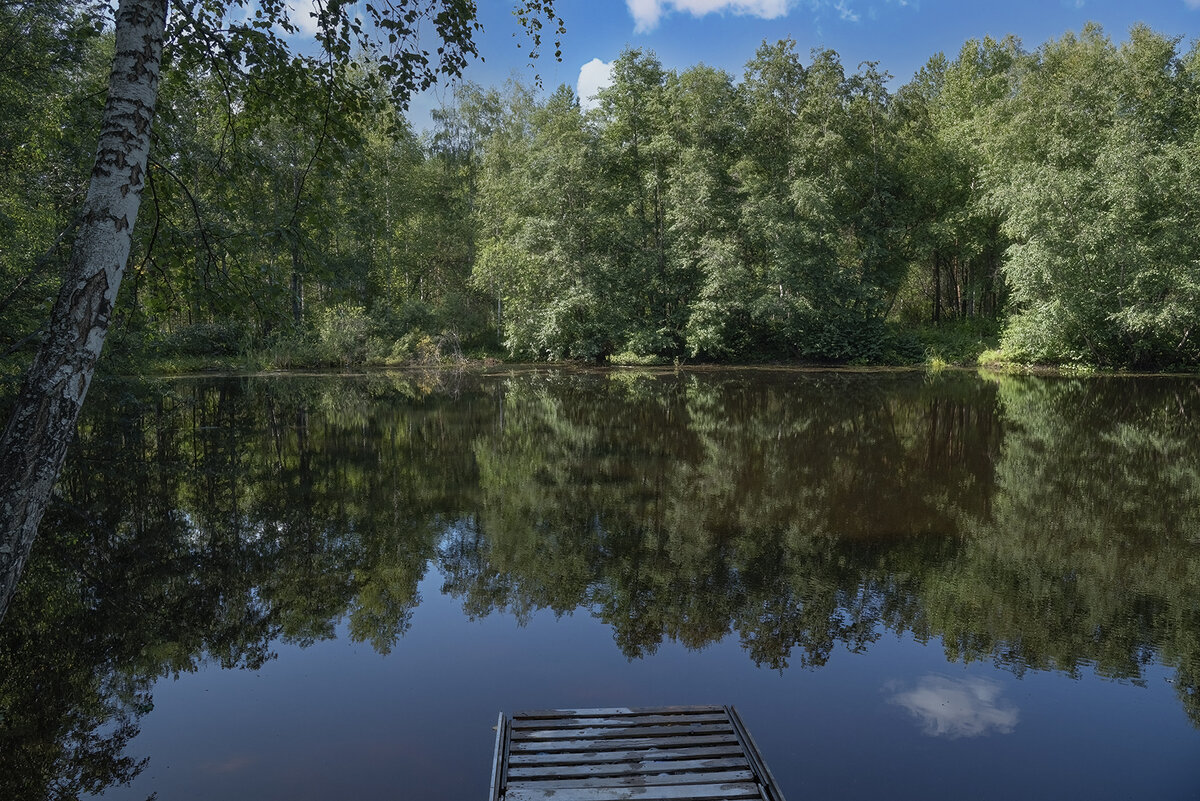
414	43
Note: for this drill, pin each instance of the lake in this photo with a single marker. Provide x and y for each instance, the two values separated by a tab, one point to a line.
910	585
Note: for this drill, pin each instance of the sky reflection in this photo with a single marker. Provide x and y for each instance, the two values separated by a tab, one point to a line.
955	708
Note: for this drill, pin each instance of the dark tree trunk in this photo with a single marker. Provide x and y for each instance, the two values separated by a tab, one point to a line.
42	422
297	260
297	287
937	288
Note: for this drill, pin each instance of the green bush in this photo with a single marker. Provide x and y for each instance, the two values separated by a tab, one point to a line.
204	339
344	333
958	342
290	351
422	348
628	357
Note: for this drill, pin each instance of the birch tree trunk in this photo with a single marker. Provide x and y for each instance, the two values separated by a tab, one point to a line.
42	421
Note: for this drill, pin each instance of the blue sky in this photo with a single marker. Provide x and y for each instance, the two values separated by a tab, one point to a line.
900	34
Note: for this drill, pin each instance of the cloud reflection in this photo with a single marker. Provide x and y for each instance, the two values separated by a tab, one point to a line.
956	708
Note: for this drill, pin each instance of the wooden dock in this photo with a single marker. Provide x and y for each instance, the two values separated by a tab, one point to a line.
666	753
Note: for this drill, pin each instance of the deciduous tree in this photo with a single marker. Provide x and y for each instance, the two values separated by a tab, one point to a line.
241	40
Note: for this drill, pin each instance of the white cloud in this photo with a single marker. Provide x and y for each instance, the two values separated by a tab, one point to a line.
958	707
302	14
647	13
1192	4
593	76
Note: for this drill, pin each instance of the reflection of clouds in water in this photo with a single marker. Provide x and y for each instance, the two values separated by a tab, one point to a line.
958	707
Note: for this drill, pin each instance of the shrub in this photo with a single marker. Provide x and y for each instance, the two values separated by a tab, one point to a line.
204	339
344	334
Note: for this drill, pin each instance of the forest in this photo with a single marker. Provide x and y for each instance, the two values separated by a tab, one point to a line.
1006	205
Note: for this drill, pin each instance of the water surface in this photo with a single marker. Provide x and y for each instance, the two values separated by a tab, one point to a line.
327	587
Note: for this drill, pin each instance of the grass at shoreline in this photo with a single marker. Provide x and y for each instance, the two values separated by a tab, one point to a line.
969	345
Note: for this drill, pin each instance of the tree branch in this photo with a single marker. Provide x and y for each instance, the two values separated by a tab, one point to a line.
38	263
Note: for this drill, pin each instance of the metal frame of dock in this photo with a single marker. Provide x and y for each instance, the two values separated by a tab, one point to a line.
666	753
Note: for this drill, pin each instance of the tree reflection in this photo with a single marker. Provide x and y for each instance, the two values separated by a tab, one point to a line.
1092	554
1036	523
783	510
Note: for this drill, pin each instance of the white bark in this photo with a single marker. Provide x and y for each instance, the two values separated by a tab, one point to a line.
42	422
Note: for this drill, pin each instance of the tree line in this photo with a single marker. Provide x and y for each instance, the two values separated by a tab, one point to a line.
1040	201
797	212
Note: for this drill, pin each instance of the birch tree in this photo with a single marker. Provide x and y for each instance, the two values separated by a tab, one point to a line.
241	40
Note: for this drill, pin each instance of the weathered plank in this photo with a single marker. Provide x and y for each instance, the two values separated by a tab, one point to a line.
500	762
568	758
771	790
649	780
651	754
616	711
690	792
621	720
606	732
626	768
620	744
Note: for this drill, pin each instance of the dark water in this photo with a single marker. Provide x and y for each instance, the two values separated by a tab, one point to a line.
326	588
